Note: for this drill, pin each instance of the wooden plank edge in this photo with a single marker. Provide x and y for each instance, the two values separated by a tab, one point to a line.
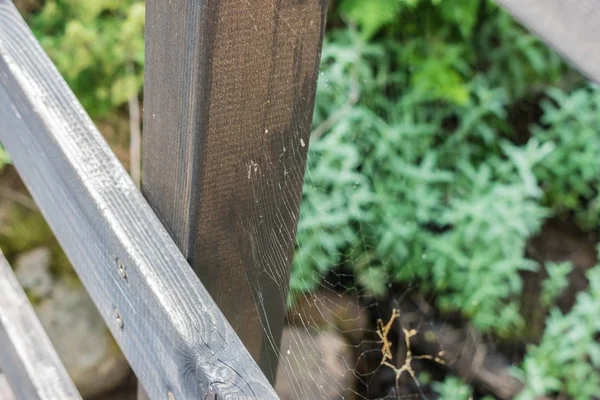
27	358
571	27
176	339
6	392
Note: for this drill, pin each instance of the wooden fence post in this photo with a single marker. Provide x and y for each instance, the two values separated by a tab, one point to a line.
229	96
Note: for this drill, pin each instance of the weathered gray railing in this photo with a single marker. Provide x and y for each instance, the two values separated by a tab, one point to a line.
26	354
572	27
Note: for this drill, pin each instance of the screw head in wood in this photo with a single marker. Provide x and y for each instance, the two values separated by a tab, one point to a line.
121	268
119	319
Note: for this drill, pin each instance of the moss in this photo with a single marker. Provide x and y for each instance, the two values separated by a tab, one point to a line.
61	267
25	230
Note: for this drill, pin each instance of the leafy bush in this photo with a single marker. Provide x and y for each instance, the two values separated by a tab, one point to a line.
4	157
570	120
98	46
567	360
556	282
421	180
453	388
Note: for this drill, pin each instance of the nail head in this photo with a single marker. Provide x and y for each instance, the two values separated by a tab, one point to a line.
121	268
119	319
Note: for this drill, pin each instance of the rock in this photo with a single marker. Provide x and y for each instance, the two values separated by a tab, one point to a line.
33	272
318	347
315	365
333	311
82	340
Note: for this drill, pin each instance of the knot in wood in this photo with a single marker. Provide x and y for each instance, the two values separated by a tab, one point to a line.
213	394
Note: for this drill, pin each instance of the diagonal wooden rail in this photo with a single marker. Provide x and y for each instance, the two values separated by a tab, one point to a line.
173	334
572	27
31	365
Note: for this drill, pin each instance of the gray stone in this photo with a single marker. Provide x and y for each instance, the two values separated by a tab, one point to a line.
33	271
82	340
314	365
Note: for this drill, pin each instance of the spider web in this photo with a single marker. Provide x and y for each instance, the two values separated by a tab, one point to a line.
348	338
343	343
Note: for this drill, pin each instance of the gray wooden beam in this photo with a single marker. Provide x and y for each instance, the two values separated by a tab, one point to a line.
572	27
27	358
177	341
6	392
228	102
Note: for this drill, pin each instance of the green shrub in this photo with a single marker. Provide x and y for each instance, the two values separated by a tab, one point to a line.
453	388
4	157
570	176
98	46
420	181
567	360
557	281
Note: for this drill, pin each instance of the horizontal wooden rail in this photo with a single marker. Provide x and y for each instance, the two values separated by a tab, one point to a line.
572	27
176	339
27	358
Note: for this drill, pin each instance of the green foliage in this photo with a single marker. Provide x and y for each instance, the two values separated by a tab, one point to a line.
420	180
516	60
98	46
4	157
453	388
373	15
24	231
557	281
567	360
571	121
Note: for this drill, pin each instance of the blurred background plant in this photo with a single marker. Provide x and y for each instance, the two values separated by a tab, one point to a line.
447	141
92	43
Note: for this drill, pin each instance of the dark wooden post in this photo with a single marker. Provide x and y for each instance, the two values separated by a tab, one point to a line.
229	95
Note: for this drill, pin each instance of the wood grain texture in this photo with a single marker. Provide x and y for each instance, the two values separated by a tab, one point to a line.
572	27
177	341
27	357
229	97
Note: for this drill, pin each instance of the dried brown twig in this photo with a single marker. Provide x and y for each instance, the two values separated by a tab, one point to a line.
386	350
